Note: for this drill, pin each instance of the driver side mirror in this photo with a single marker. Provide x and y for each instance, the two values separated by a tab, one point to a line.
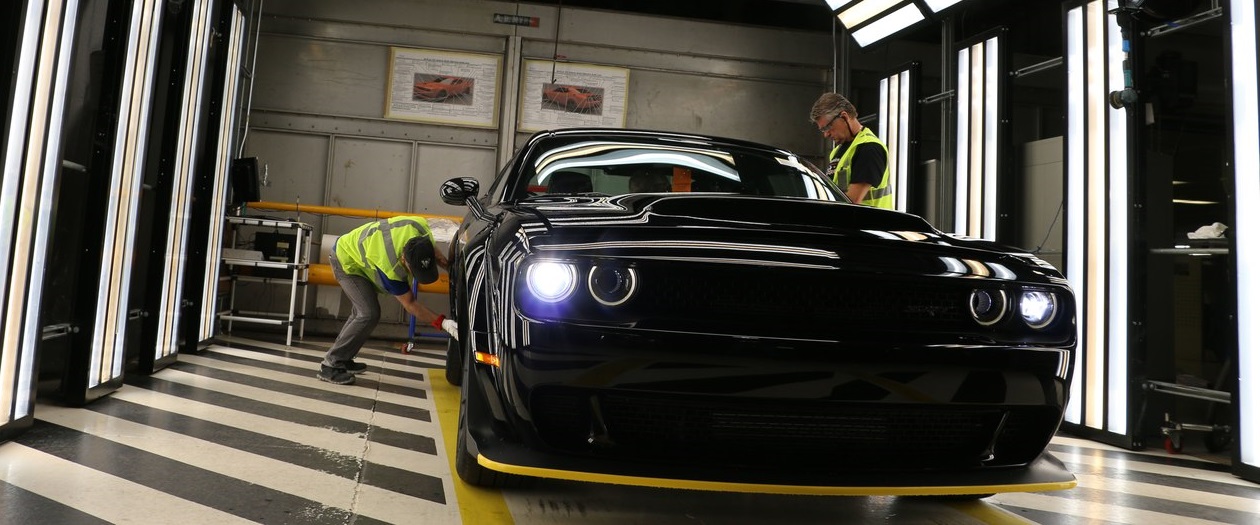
459	190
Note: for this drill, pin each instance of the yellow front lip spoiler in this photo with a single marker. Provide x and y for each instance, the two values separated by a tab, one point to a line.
808	490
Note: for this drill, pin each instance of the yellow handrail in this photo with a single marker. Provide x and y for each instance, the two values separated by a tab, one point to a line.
334	210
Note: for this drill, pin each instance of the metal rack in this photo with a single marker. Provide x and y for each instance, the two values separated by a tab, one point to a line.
1173	429
298	272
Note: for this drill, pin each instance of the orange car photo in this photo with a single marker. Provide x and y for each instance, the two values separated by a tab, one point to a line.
441	88
574	98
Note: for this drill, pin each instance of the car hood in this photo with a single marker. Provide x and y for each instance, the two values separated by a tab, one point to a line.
801	230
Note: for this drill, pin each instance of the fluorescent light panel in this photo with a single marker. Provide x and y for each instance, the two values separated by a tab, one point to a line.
1096	216
990	174
1242	35
894	126
865	10
940	5
24	81
223	158
119	242
976	161
900	19
1097	201
167	342
1118	237
962	156
1075	197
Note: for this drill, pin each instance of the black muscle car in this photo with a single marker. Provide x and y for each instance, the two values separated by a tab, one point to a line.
742	327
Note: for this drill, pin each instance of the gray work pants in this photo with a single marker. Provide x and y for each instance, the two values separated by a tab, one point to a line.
365	312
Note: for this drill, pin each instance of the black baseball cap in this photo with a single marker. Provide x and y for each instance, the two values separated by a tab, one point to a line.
422	259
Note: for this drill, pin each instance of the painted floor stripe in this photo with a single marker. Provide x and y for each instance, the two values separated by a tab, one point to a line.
321	438
327	489
310	360
372	415
98	494
310	382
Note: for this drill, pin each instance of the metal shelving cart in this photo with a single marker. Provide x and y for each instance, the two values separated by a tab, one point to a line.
292	267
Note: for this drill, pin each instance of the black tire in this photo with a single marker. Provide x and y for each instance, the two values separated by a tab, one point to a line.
571	107
454	361
466	465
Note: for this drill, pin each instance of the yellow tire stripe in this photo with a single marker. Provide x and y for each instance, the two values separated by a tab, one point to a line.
476	505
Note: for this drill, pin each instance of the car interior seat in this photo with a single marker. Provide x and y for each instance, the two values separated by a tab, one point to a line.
569	182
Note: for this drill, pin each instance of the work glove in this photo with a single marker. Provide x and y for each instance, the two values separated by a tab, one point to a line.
447	325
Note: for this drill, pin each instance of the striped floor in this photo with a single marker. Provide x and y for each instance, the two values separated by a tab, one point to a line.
244	433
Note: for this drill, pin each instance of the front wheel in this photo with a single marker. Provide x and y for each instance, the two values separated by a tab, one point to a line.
466	465
454	362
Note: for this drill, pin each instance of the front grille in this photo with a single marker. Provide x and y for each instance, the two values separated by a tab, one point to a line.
867	301
716	431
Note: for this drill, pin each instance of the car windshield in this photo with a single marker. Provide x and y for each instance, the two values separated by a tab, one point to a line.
617	166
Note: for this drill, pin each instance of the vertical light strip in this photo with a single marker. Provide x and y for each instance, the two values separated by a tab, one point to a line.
1118	237
1096	215
1243	44
24	85
990	108
976	172
1075	195
167	341
962	159
47	194
885	129
223	159
30	171
976	204
127	172
895	105
908	85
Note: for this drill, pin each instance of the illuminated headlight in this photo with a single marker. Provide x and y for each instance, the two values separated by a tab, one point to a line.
612	285
988	306
1037	307
551	281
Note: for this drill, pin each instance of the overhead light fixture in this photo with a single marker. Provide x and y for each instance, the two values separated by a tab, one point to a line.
865	10
1191	201
883	27
940	5
870	21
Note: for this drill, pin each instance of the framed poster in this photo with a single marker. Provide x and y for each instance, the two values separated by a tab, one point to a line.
443	87
566	95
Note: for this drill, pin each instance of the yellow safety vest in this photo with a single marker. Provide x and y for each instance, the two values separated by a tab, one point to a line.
378	246
880	196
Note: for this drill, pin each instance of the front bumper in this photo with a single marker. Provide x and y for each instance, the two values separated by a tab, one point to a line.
694	410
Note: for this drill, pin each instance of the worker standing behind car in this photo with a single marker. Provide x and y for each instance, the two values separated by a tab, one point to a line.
380	257
859	162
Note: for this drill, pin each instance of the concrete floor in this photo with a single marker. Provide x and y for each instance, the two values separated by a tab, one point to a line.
243	432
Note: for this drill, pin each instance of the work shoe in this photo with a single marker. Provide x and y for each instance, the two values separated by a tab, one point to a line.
336	376
355	367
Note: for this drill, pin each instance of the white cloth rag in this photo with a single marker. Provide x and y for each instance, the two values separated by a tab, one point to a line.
1215	230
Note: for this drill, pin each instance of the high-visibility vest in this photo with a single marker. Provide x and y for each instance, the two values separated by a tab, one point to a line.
880	196
378	246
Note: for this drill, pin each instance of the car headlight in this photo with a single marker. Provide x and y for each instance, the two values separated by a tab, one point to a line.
988	306
1038	307
551	281
612	285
